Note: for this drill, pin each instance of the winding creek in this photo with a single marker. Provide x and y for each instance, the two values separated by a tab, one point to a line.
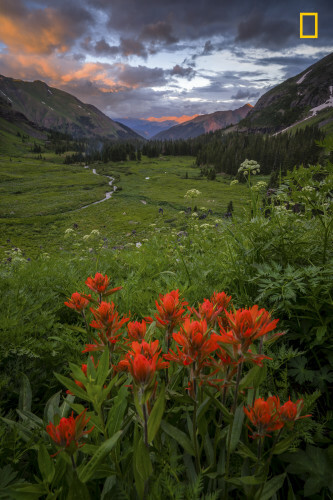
107	194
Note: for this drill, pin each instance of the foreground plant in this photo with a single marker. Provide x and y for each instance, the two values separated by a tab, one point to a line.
181	387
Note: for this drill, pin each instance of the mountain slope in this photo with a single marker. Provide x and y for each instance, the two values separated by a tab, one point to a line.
203	124
299	98
55	109
146	128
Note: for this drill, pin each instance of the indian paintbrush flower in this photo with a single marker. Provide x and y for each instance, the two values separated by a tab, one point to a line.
100	283
264	416
67	434
77	302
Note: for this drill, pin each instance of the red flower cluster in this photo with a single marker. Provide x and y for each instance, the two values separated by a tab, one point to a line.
244	326
142	362
170	309
137	330
77	302
100	283
269	416
108	323
196	341
70	430
213	309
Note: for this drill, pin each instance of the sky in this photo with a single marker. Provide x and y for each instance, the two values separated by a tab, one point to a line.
153	58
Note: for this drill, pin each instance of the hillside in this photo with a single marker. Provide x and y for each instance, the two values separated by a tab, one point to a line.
203	124
146	128
55	109
301	98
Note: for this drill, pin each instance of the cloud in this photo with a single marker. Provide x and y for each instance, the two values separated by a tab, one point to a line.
268	32
183	72
245	94
40	31
160	31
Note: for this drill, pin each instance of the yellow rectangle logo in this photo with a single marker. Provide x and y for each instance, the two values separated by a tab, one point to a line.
301	15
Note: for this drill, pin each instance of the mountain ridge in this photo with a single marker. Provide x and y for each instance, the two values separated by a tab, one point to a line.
293	101
205	123
56	109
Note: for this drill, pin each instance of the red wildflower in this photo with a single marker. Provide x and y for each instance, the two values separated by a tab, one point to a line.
170	309
245	326
107	321
70	430
77	302
196	343
142	362
265	416
137	330
290	411
100	283
220	299
208	311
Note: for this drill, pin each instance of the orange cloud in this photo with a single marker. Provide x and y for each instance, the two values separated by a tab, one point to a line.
178	119
37	32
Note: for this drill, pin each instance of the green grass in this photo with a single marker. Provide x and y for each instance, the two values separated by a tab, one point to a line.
41	199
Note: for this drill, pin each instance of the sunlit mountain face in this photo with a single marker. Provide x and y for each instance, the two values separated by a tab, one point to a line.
160	61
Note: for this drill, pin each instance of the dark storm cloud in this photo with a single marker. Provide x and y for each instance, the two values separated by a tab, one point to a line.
181	71
160	31
140	76
208	48
267	32
245	94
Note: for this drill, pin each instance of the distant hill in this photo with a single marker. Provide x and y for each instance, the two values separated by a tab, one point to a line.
203	124
145	128
306	98
150	127
55	109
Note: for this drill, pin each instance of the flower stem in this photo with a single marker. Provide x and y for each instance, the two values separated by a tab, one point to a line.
73	462
145	422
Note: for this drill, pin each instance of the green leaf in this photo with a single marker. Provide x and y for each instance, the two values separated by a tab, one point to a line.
236	428
117	412
245	452
23	491
179	436
283	445
87	471
65	407
71	385
25	396
270	488
60	468
78	490
142	460
103	368
51	406
321	332
156	415
33	420
45	464
248	480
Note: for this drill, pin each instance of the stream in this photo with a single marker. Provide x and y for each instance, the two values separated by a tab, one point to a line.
107	195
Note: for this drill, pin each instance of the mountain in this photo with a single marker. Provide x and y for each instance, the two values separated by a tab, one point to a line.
306	98
151	126
55	109
146	128
203	124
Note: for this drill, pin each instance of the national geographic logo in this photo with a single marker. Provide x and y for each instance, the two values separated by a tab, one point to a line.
301	16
